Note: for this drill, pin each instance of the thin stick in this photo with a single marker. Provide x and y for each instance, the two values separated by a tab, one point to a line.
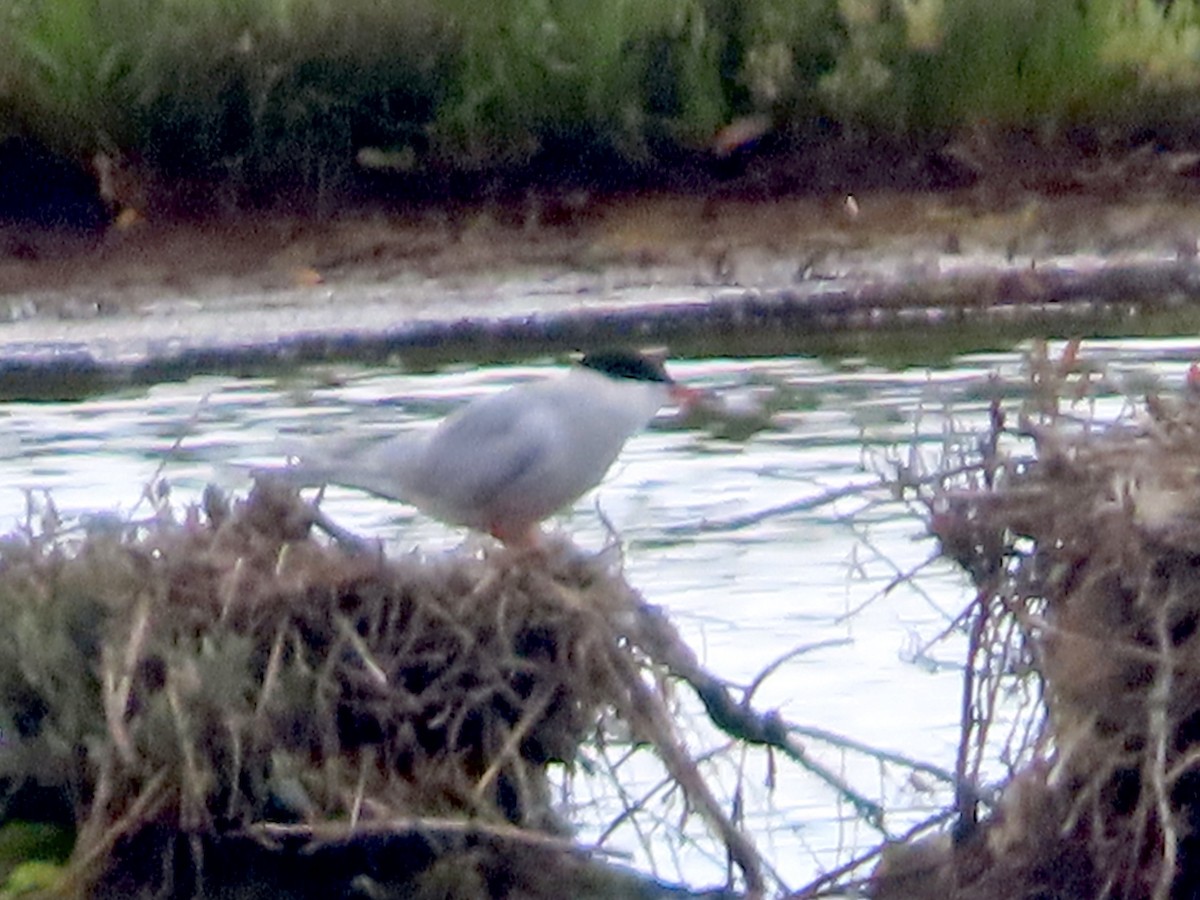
153	795
322	834
817	887
772	667
531	715
965	800
1158	703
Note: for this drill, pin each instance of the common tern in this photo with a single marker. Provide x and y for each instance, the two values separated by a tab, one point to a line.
504	463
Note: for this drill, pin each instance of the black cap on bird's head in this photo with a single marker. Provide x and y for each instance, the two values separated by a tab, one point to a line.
625	364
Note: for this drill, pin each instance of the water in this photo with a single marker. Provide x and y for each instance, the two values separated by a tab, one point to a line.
743	589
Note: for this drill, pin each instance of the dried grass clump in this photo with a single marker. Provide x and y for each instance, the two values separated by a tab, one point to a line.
1083	541
226	687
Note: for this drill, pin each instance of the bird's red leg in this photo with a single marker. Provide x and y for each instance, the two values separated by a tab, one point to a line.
519	537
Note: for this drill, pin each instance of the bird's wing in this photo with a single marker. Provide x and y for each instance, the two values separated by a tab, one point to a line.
459	471
474	456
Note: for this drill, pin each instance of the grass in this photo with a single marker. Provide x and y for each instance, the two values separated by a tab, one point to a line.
215	701
218	674
262	93
1099	603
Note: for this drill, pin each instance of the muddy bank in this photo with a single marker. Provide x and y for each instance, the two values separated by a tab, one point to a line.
155	301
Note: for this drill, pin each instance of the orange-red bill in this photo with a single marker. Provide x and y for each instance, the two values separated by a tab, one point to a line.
687	396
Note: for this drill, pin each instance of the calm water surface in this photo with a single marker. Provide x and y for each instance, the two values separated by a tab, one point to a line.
743	593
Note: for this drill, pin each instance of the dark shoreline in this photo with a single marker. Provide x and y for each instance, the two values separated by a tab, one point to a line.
988	307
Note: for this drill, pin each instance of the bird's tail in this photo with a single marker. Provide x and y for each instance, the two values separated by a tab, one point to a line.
377	469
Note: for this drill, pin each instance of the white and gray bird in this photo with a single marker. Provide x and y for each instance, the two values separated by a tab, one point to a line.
504	463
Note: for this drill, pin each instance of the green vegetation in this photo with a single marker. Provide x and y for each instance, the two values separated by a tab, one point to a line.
220	689
270	92
215	701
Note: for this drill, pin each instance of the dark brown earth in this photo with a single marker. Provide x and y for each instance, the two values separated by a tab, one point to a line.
742	219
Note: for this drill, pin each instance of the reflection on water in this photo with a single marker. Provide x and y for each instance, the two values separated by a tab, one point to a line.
744	589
